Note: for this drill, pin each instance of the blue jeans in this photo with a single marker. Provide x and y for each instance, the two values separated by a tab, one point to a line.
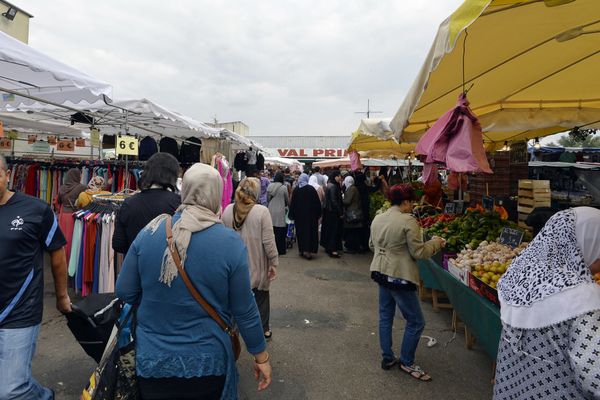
408	303
17	347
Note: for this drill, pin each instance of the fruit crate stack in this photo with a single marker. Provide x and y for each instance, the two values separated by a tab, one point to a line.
532	194
503	182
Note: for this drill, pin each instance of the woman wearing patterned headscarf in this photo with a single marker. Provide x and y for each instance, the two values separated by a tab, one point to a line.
180	351
253	222
95	186
550	311
305	210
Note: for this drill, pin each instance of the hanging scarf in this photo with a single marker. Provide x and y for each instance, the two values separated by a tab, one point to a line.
96	183
201	192
246	197
550	281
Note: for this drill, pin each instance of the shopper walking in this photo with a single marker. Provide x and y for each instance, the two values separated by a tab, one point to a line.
550	311
314	182
353	216
306	210
397	243
277	194
253	222
331	230
264	186
181	352
28	228
158	185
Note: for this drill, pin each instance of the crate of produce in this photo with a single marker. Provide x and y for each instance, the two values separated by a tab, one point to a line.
459	273
483	289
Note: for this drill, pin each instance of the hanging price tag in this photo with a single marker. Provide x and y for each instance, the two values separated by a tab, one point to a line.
1	129
95	137
127	145
5	144
12	134
65	145
41	146
52	140
80	142
31	139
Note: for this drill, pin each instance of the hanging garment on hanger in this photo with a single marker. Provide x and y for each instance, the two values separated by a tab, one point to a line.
169	145
148	147
190	153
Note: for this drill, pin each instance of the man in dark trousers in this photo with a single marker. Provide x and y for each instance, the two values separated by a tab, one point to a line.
28	228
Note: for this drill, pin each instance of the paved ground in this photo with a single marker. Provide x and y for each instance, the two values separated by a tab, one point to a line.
325	343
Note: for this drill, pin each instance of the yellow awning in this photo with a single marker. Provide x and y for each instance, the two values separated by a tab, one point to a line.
531	67
375	139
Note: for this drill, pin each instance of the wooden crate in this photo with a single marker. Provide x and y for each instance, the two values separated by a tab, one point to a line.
532	194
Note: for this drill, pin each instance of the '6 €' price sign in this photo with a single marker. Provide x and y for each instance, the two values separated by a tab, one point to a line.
127	145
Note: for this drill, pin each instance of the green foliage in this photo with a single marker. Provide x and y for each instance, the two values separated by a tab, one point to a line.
377	200
577	141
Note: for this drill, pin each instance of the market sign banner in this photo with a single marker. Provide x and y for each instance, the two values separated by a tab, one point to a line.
309	153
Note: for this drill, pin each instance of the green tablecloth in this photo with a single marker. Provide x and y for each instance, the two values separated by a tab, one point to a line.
480	315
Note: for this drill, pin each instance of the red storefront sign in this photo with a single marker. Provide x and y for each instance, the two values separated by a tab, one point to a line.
312	153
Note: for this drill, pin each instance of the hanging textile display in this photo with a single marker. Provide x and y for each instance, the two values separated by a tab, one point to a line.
220	163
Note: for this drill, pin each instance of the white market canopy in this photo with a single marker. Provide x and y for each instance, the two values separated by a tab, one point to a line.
531	67
140	116
241	141
284	162
26	71
367	162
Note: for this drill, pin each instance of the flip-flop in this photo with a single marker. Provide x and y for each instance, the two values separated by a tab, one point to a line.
334	255
416	372
268	335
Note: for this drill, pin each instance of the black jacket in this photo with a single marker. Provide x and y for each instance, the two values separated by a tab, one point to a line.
137	211
333	199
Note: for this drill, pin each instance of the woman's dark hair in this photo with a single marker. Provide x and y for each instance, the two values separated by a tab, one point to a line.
333	173
316	169
400	193
278	177
161	169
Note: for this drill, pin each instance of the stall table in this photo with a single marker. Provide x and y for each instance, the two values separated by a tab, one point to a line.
480	315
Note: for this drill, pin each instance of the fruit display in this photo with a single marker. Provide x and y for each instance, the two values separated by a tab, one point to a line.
471	229
428	222
489	261
426	210
376	201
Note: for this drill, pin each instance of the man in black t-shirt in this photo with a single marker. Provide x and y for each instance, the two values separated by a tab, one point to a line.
28	228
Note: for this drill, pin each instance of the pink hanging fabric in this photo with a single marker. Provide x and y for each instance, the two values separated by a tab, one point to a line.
455	140
227	177
355	163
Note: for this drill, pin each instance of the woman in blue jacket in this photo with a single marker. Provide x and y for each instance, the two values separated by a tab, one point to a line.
181	352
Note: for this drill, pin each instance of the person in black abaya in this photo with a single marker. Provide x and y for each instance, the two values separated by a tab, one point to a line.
305	210
331	230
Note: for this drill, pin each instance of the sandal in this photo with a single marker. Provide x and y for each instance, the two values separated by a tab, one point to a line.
268	335
334	255
416	372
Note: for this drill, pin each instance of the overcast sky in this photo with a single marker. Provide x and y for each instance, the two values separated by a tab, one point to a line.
282	67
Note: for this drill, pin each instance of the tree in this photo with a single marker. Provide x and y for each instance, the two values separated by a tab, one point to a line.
570	141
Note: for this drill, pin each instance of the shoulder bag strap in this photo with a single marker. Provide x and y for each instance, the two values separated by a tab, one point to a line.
188	283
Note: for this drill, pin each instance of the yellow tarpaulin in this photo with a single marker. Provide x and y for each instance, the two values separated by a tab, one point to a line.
531	68
375	139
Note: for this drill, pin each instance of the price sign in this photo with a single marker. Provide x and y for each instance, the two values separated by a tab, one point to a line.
450	208
459	207
5	144
41	146
127	145
1	129
31	139
52	140
511	237
65	145
95	137
12	134
488	203
80	142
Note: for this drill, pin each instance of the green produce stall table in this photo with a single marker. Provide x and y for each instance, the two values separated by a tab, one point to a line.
480	315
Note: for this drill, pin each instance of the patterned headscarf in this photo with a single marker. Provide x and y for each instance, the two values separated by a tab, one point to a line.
96	183
550	282
246	197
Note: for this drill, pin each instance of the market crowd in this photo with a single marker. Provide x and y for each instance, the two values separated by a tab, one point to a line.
185	346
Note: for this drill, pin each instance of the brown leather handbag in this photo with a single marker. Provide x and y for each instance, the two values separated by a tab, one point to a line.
233	334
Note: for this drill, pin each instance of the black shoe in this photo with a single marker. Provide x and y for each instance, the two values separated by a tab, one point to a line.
388	364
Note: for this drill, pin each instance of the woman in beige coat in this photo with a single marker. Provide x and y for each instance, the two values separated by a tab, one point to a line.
253	222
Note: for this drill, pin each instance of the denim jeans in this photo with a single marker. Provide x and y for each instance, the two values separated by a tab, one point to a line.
17	347
408	303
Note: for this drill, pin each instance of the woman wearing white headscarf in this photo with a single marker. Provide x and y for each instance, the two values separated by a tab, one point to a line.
550	310
181	352
254	224
353	216
314	182
305	210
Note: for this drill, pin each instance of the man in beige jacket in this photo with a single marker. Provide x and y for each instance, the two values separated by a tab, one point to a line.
397	242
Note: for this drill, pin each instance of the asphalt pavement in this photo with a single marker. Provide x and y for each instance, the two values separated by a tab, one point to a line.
324	315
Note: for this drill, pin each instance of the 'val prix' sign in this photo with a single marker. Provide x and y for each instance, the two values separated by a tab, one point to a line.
311	153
